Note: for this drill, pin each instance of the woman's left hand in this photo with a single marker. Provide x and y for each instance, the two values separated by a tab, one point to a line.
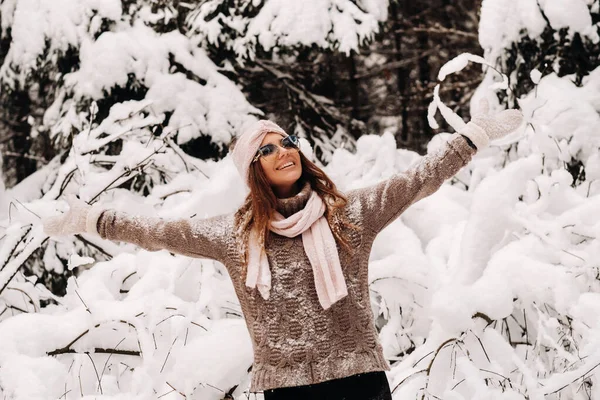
483	127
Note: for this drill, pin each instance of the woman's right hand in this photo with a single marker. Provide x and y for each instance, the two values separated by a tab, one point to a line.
72	222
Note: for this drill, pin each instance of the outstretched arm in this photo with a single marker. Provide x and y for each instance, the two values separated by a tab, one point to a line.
202	238
385	201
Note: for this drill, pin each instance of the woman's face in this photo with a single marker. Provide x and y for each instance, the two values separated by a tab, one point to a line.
279	173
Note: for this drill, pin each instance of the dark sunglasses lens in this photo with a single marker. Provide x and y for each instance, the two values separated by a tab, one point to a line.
267	150
290	141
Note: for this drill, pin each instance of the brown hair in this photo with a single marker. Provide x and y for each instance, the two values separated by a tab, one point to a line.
260	205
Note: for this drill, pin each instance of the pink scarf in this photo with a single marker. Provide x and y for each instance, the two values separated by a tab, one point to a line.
319	245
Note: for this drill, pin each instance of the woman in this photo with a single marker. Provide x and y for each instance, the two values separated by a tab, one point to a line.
297	252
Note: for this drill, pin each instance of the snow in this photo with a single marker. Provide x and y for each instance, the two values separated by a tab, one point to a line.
32	21
535	75
503	21
216	106
448	257
210	104
331	24
510	243
153	313
77	261
377	8
573	14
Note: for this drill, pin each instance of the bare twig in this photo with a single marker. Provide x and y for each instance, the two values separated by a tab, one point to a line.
395	64
128	276
422	358
172	387
98	350
164	196
27	156
11	307
108	359
25	207
10	268
35	309
169	317
198	325
66	181
214	387
95	246
458	383
440	30
183	156
67	348
164	394
8	137
96	371
437	351
168	354
482	346
133	172
68	371
14	247
408	377
79	376
579	377
312	101
495	373
85	305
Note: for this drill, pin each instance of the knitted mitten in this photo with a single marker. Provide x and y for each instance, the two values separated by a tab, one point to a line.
81	218
483	127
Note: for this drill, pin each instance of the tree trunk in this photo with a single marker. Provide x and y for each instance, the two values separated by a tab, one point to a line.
401	72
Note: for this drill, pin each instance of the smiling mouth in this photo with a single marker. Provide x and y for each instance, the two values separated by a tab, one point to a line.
286	166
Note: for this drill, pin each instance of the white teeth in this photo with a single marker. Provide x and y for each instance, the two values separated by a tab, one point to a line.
286	165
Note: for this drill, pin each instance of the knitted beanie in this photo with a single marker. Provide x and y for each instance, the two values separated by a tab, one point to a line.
249	142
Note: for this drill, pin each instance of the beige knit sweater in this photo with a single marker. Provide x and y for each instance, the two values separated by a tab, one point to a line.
295	341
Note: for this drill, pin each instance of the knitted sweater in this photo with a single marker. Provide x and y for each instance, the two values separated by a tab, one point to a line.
295	341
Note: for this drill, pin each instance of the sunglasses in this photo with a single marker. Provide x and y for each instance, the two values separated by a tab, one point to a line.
270	150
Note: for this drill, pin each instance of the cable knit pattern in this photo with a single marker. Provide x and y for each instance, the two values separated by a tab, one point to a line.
295	341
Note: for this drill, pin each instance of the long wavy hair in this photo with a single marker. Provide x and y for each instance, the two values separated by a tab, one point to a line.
260	205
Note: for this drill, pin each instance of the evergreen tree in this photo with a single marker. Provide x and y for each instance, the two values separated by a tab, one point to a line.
550	44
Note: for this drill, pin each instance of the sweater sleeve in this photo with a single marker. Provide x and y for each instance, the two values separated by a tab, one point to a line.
199	238
383	202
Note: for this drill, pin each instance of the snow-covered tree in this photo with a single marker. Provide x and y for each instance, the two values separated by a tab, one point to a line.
105	81
553	42
500	292
277	50
246	28
125	99
487	289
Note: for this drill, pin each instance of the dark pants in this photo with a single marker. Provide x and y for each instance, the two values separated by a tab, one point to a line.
367	386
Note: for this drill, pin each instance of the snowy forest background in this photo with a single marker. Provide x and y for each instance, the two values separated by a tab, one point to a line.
488	289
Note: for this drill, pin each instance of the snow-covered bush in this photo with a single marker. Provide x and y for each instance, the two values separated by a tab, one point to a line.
489	288
486	289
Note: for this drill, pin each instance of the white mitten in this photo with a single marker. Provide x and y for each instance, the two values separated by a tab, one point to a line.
81	218
483	127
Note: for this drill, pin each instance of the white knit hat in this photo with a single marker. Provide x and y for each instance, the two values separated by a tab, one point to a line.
249	142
